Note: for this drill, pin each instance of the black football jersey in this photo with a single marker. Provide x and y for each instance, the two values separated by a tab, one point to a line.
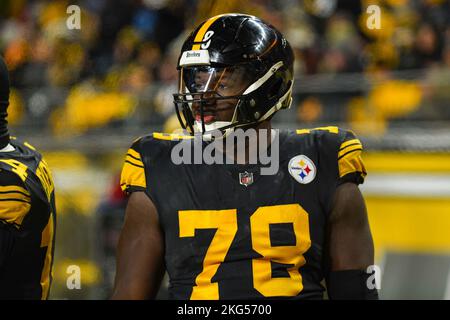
27	224
232	233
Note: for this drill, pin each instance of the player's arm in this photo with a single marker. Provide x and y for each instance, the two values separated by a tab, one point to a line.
140	255
350	245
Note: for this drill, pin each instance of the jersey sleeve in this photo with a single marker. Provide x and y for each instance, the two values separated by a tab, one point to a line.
133	171
15	199
15	204
350	163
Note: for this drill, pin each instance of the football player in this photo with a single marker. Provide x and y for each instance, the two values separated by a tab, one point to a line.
27	213
224	231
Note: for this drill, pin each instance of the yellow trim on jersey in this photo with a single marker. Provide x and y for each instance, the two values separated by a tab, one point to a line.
14	189
351	162
29	146
135	155
15	203
18	168
47	241
45	176
133	173
133	162
349	149
204	28
134	158
349	142
331	129
170	136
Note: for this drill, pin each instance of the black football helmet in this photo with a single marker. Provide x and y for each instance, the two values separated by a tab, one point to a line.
233	56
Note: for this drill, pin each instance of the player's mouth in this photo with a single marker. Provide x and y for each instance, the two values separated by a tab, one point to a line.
207	117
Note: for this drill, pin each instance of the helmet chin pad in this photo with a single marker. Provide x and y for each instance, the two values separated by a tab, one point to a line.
216	125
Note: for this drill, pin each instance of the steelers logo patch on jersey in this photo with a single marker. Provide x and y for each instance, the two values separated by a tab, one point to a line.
302	169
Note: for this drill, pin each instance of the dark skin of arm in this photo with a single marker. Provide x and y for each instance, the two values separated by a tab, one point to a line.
140	252
350	244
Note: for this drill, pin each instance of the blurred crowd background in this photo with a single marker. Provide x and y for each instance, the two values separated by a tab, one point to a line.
81	96
118	71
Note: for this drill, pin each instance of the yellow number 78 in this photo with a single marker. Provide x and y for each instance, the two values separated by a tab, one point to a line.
225	221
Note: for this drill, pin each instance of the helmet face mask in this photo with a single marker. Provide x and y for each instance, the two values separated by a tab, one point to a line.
238	76
225	81
210	94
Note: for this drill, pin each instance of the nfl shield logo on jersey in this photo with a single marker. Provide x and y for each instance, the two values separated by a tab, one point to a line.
302	169
246	178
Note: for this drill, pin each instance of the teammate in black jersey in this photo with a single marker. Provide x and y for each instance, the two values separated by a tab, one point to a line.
27	213
226	231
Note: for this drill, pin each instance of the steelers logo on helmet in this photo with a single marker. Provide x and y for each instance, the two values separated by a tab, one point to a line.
302	169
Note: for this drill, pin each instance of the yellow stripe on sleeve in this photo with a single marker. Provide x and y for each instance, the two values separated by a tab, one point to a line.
14	190
134	158
349	149
351	162
133	173
349	142
15	203
133	161
133	153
